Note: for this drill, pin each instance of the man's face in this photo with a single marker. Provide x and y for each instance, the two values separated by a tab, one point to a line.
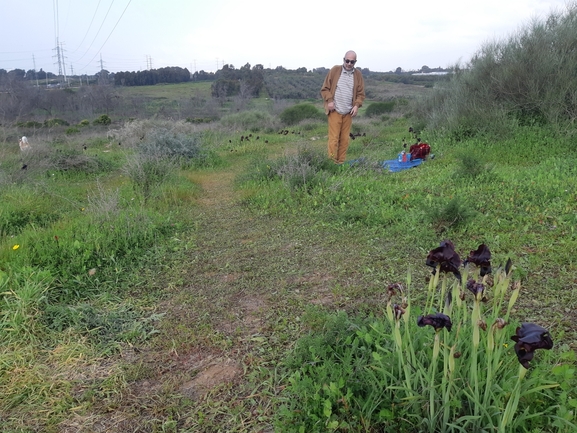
349	62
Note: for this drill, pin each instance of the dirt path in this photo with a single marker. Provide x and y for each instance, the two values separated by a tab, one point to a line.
236	311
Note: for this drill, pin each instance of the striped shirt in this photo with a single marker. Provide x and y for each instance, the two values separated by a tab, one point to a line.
344	92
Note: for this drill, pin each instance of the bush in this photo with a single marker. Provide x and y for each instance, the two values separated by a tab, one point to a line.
72	130
510	81
103	119
379	108
29	124
73	161
84	122
182	148
50	123
252	120
299	112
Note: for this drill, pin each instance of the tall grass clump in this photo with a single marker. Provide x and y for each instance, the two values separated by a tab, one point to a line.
303	171
526	79
449	215
23	298
148	171
458	363
161	155
250	120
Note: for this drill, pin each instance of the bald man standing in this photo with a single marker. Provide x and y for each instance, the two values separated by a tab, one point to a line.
343	93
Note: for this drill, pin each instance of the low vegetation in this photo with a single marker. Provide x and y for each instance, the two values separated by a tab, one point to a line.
161	275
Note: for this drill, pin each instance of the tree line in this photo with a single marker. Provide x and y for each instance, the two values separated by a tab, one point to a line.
150	77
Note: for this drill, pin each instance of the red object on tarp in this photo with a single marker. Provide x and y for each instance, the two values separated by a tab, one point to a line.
419	151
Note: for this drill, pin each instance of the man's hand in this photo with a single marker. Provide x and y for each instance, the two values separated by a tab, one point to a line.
331	106
354	111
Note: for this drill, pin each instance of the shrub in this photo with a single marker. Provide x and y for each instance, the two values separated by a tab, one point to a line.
511	81
299	112
199	120
379	108
50	123
251	120
72	130
29	124
184	149
103	119
84	122
73	161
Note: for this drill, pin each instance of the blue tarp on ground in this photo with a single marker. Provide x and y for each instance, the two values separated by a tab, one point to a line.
394	165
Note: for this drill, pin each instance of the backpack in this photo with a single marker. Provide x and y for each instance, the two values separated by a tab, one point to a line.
419	151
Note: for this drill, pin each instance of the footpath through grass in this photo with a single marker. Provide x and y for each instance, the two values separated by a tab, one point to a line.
246	288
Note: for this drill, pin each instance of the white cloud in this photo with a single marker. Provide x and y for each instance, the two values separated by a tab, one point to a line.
309	33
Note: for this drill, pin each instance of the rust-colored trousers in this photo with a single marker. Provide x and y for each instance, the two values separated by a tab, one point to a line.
339	130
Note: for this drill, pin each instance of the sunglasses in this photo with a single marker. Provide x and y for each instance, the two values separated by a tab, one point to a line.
350	61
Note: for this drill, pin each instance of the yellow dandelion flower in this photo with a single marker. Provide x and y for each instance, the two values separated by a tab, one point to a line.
15	247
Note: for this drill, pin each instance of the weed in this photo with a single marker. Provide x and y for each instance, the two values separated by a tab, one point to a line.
452	214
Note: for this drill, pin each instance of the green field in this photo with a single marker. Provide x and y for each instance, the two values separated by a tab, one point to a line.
172	261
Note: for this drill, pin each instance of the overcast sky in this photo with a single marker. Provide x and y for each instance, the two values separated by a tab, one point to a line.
132	35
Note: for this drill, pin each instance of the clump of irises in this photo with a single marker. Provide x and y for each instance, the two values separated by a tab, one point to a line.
467	382
457	363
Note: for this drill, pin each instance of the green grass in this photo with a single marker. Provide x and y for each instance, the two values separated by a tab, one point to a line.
177	313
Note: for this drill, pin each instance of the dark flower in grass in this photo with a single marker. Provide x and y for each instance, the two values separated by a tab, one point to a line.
530	337
398	310
482	258
395	289
437	321
446	257
475	288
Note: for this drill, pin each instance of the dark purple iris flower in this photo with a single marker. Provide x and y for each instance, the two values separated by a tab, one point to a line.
475	288
446	257
398	311
530	337
482	258
437	321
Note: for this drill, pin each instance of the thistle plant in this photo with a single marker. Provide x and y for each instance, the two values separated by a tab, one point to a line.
461	375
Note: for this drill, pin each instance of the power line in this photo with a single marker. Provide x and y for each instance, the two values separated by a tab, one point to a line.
89	27
110	34
97	33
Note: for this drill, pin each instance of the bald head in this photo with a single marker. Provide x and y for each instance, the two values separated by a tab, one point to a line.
349	60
